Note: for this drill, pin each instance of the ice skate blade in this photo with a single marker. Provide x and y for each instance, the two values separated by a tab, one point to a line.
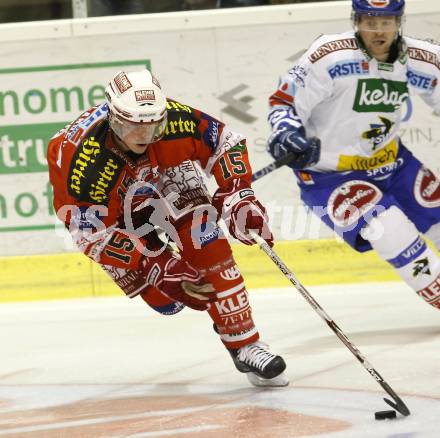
278	381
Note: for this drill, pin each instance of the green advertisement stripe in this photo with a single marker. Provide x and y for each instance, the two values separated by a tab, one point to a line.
145	63
37	134
27	228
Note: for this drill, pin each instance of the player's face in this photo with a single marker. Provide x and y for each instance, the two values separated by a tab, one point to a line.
378	34
137	136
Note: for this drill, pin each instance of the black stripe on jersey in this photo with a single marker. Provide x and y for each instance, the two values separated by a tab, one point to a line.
94	169
182	122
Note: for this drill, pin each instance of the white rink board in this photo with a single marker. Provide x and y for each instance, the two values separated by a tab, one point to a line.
224	62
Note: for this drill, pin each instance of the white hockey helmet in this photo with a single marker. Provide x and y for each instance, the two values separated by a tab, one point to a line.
136	103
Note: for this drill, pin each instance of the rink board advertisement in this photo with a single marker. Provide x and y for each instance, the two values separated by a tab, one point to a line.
35	103
228	72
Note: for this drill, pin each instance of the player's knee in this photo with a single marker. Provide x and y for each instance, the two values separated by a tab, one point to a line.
169	309
160	302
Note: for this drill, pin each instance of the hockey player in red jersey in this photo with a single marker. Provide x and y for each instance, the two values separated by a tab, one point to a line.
132	166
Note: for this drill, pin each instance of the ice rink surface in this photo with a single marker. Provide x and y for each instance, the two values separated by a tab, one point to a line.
111	367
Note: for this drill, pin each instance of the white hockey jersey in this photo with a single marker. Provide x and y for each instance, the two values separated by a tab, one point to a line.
353	102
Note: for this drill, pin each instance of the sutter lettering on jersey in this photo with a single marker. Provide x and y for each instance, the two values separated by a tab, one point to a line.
181	125
177	106
85	155
93	173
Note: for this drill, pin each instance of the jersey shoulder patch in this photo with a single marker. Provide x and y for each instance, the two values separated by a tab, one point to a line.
425	51
183	121
328	44
94	169
76	131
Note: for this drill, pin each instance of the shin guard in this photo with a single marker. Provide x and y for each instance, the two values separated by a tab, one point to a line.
434	235
400	244
232	313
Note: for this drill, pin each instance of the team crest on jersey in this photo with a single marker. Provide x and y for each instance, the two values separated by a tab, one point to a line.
351	200
427	189
183	189
378	132
298	74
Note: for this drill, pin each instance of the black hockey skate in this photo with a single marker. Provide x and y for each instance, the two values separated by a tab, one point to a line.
261	366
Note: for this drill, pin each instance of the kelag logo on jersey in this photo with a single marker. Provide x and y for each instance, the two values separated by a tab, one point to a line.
348	68
379	95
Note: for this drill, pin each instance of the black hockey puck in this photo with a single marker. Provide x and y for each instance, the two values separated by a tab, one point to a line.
383	415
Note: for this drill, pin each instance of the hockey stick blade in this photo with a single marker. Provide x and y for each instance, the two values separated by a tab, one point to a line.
285	159
397	404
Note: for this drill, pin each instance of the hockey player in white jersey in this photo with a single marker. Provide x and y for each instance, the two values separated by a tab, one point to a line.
339	108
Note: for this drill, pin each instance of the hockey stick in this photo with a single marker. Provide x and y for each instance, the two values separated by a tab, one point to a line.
398	404
285	159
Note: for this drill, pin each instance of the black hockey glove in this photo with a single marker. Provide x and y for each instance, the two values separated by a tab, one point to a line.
308	158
